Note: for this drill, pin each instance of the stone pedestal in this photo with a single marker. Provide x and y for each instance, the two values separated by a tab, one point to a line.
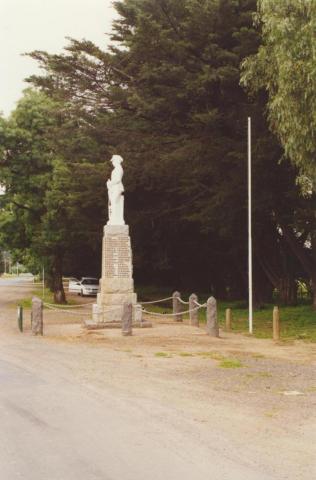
116	284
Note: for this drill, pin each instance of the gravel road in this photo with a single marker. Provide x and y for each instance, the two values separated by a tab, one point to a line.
112	409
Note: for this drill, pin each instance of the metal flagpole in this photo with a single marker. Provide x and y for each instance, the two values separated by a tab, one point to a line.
43	279
249	229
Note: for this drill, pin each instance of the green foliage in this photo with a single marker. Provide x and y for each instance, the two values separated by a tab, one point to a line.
47	296
162	354
46	213
166	96
296	322
26	171
285	66
181	63
230	363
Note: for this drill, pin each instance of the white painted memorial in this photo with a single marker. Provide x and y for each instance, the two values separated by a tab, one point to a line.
116	284
115	192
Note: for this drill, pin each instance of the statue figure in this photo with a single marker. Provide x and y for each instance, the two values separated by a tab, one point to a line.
115	192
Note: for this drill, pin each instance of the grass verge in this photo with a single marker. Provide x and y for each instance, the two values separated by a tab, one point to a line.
230	363
47	296
297	323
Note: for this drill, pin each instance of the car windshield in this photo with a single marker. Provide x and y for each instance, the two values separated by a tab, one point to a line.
90	281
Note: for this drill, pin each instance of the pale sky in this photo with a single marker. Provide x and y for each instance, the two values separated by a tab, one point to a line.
27	25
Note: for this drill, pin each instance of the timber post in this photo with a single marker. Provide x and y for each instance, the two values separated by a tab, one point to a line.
276	323
228	319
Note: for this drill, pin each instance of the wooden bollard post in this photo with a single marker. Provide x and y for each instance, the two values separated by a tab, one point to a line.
176	306
37	316
276	323
127	319
211	318
194	313
228	319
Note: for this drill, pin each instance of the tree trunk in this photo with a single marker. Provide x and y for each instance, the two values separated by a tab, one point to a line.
313	276
314	292
238	282
57	277
262	286
308	263
287	290
284	283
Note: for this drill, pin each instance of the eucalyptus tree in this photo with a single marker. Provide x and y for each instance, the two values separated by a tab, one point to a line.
284	68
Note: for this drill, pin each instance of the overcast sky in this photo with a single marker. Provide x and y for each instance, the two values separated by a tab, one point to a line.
27	25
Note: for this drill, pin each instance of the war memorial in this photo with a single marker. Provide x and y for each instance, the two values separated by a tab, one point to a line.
116	283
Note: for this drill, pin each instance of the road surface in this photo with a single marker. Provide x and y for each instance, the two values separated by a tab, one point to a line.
57	425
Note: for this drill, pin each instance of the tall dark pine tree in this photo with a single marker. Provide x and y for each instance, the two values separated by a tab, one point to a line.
167	97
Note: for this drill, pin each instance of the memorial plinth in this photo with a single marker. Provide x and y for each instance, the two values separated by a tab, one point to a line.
116	284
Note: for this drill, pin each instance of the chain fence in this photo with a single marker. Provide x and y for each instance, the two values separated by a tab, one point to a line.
61	307
157	314
182	301
55	308
156	301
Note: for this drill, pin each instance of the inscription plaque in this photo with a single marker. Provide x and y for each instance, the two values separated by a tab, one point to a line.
117	285
117	257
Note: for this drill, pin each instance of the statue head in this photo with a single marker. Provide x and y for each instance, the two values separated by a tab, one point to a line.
116	159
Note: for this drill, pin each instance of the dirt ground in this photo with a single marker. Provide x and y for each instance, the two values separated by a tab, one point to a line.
258	395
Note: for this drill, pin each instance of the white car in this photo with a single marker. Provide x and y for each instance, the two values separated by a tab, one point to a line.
73	285
86	286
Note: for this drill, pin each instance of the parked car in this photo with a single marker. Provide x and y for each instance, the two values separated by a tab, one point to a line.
73	285
86	286
28	277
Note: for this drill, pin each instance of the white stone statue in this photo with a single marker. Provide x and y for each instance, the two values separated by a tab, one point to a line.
115	193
